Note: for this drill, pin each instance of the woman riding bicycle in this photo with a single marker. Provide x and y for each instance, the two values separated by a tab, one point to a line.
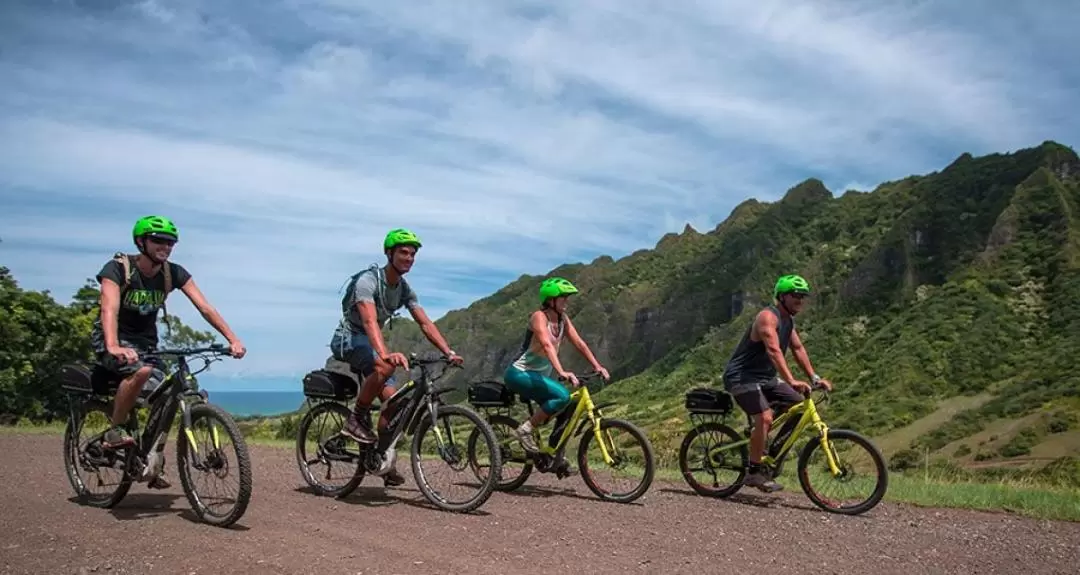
529	374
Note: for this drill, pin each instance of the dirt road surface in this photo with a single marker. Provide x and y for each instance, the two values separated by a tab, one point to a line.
550	526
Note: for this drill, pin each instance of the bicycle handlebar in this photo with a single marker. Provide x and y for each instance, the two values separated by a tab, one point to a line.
581	376
429	359
817	387
218	348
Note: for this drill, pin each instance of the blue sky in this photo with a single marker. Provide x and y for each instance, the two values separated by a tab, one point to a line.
286	137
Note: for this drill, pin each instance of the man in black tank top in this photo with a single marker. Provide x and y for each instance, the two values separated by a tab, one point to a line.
751	375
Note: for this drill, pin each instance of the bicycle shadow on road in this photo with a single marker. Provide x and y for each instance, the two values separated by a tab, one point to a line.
535	491
136	506
379	496
763	501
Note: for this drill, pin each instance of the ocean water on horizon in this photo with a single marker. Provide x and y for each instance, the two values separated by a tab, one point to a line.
267	403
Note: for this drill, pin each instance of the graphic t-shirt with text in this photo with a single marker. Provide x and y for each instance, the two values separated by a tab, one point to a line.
139	303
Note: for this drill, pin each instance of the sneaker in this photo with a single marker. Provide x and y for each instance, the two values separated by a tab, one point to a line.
527	440
115	437
358	427
762	481
159	482
393	478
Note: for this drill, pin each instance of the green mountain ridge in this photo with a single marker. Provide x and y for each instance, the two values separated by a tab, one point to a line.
960	282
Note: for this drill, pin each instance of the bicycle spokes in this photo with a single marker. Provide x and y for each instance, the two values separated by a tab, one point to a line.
516	463
325	451
442	456
95	470
209	467
709	462
842	473
619	456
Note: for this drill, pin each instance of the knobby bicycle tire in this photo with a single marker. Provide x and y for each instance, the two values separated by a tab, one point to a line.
71	459
487	486
305	470
879	464
243	463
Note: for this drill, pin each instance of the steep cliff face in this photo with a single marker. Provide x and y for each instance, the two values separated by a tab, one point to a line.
956	282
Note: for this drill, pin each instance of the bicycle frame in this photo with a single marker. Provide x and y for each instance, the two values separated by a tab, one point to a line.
164	402
406	417
585	413
810	418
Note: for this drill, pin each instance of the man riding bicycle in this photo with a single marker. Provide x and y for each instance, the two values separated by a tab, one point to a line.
370	301
529	374
751	373
133	289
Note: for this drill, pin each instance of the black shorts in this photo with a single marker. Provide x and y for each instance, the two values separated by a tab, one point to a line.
123	370
754	396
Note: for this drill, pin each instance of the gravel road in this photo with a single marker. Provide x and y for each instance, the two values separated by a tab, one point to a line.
550	526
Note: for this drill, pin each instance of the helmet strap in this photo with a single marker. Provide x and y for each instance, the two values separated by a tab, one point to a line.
390	262
783	305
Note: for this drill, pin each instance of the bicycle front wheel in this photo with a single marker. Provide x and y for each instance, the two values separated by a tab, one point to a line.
861	469
624	460
448	442
208	460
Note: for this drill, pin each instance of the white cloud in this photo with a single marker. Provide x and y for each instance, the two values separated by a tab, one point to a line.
286	137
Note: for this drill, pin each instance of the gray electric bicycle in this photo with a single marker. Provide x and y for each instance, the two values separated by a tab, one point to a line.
417	409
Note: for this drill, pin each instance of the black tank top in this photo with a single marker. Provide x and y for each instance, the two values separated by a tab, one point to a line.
750	360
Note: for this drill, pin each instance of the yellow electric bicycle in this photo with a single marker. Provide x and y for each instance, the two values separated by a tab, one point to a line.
580	417
835	451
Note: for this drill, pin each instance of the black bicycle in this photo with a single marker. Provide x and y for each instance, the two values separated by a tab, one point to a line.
415	408
90	393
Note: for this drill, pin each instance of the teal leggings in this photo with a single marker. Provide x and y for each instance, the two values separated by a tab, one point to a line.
532	385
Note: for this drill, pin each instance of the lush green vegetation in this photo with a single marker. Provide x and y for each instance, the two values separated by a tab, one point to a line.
959	284
955	283
38	335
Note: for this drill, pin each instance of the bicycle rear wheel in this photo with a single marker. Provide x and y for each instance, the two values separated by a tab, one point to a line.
623	461
510	451
330	449
210	457
89	456
847	447
449	445
703	450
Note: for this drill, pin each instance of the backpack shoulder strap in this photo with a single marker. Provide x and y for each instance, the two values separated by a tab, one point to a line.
125	263
167	268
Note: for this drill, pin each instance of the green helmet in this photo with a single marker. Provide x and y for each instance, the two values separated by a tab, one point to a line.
791	284
555	287
156	226
401	237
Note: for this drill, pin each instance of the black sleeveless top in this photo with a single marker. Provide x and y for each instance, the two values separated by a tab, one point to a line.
750	360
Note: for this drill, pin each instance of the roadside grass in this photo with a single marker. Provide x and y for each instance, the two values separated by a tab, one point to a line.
929	487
